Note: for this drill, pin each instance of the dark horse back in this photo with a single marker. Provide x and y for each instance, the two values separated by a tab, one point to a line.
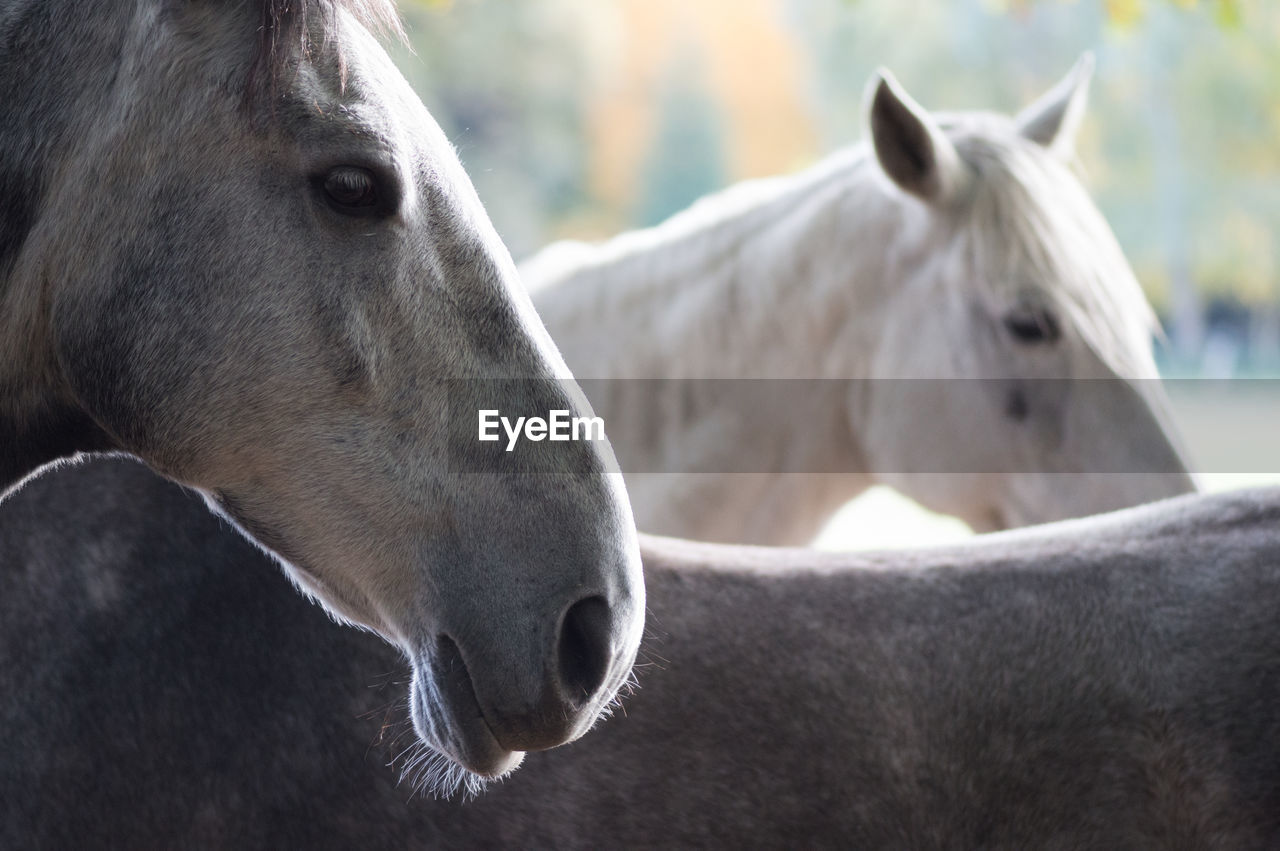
185	661
162	684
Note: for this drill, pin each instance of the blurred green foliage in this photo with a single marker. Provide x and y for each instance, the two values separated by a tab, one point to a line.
1127	13
505	80
686	158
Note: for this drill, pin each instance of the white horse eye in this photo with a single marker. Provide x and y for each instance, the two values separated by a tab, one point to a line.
352	190
1031	326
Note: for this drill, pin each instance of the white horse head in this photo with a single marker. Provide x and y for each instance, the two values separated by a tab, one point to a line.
1013	296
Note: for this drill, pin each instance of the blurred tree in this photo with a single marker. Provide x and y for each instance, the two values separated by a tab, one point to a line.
506	82
686	159
1127	13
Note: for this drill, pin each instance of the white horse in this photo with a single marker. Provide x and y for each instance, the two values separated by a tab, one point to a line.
952	247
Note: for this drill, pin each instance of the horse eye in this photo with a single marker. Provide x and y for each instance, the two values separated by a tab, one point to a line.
351	190
1033	326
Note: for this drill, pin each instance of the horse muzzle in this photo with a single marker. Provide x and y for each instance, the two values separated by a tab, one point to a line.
483	708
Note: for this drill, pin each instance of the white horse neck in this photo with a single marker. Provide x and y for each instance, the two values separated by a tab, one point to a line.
753	282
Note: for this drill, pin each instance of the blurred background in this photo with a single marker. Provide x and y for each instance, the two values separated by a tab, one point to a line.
582	118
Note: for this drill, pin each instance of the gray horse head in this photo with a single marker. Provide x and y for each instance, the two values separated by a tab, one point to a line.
238	247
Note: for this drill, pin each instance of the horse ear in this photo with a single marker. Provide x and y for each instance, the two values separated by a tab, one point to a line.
1054	119
910	147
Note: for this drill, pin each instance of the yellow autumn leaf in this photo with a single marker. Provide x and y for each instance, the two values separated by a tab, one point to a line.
1124	13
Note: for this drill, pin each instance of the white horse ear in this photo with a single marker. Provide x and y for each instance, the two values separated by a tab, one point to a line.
910	147
1054	119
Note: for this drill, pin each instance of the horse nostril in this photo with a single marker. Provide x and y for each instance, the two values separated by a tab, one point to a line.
584	649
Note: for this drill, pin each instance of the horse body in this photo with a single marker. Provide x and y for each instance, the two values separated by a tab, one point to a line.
1101	683
948	248
235	245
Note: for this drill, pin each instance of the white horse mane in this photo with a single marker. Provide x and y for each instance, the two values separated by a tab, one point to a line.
1029	213
712	225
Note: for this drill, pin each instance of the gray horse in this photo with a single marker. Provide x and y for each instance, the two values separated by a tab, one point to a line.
234	244
1105	683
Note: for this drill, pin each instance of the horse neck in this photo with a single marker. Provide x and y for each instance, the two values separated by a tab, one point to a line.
781	278
793	284
59	61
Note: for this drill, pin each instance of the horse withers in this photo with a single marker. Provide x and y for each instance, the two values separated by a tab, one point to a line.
235	245
948	309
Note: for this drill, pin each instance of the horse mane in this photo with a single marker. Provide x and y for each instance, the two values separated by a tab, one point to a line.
715	224
1030	209
289	25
